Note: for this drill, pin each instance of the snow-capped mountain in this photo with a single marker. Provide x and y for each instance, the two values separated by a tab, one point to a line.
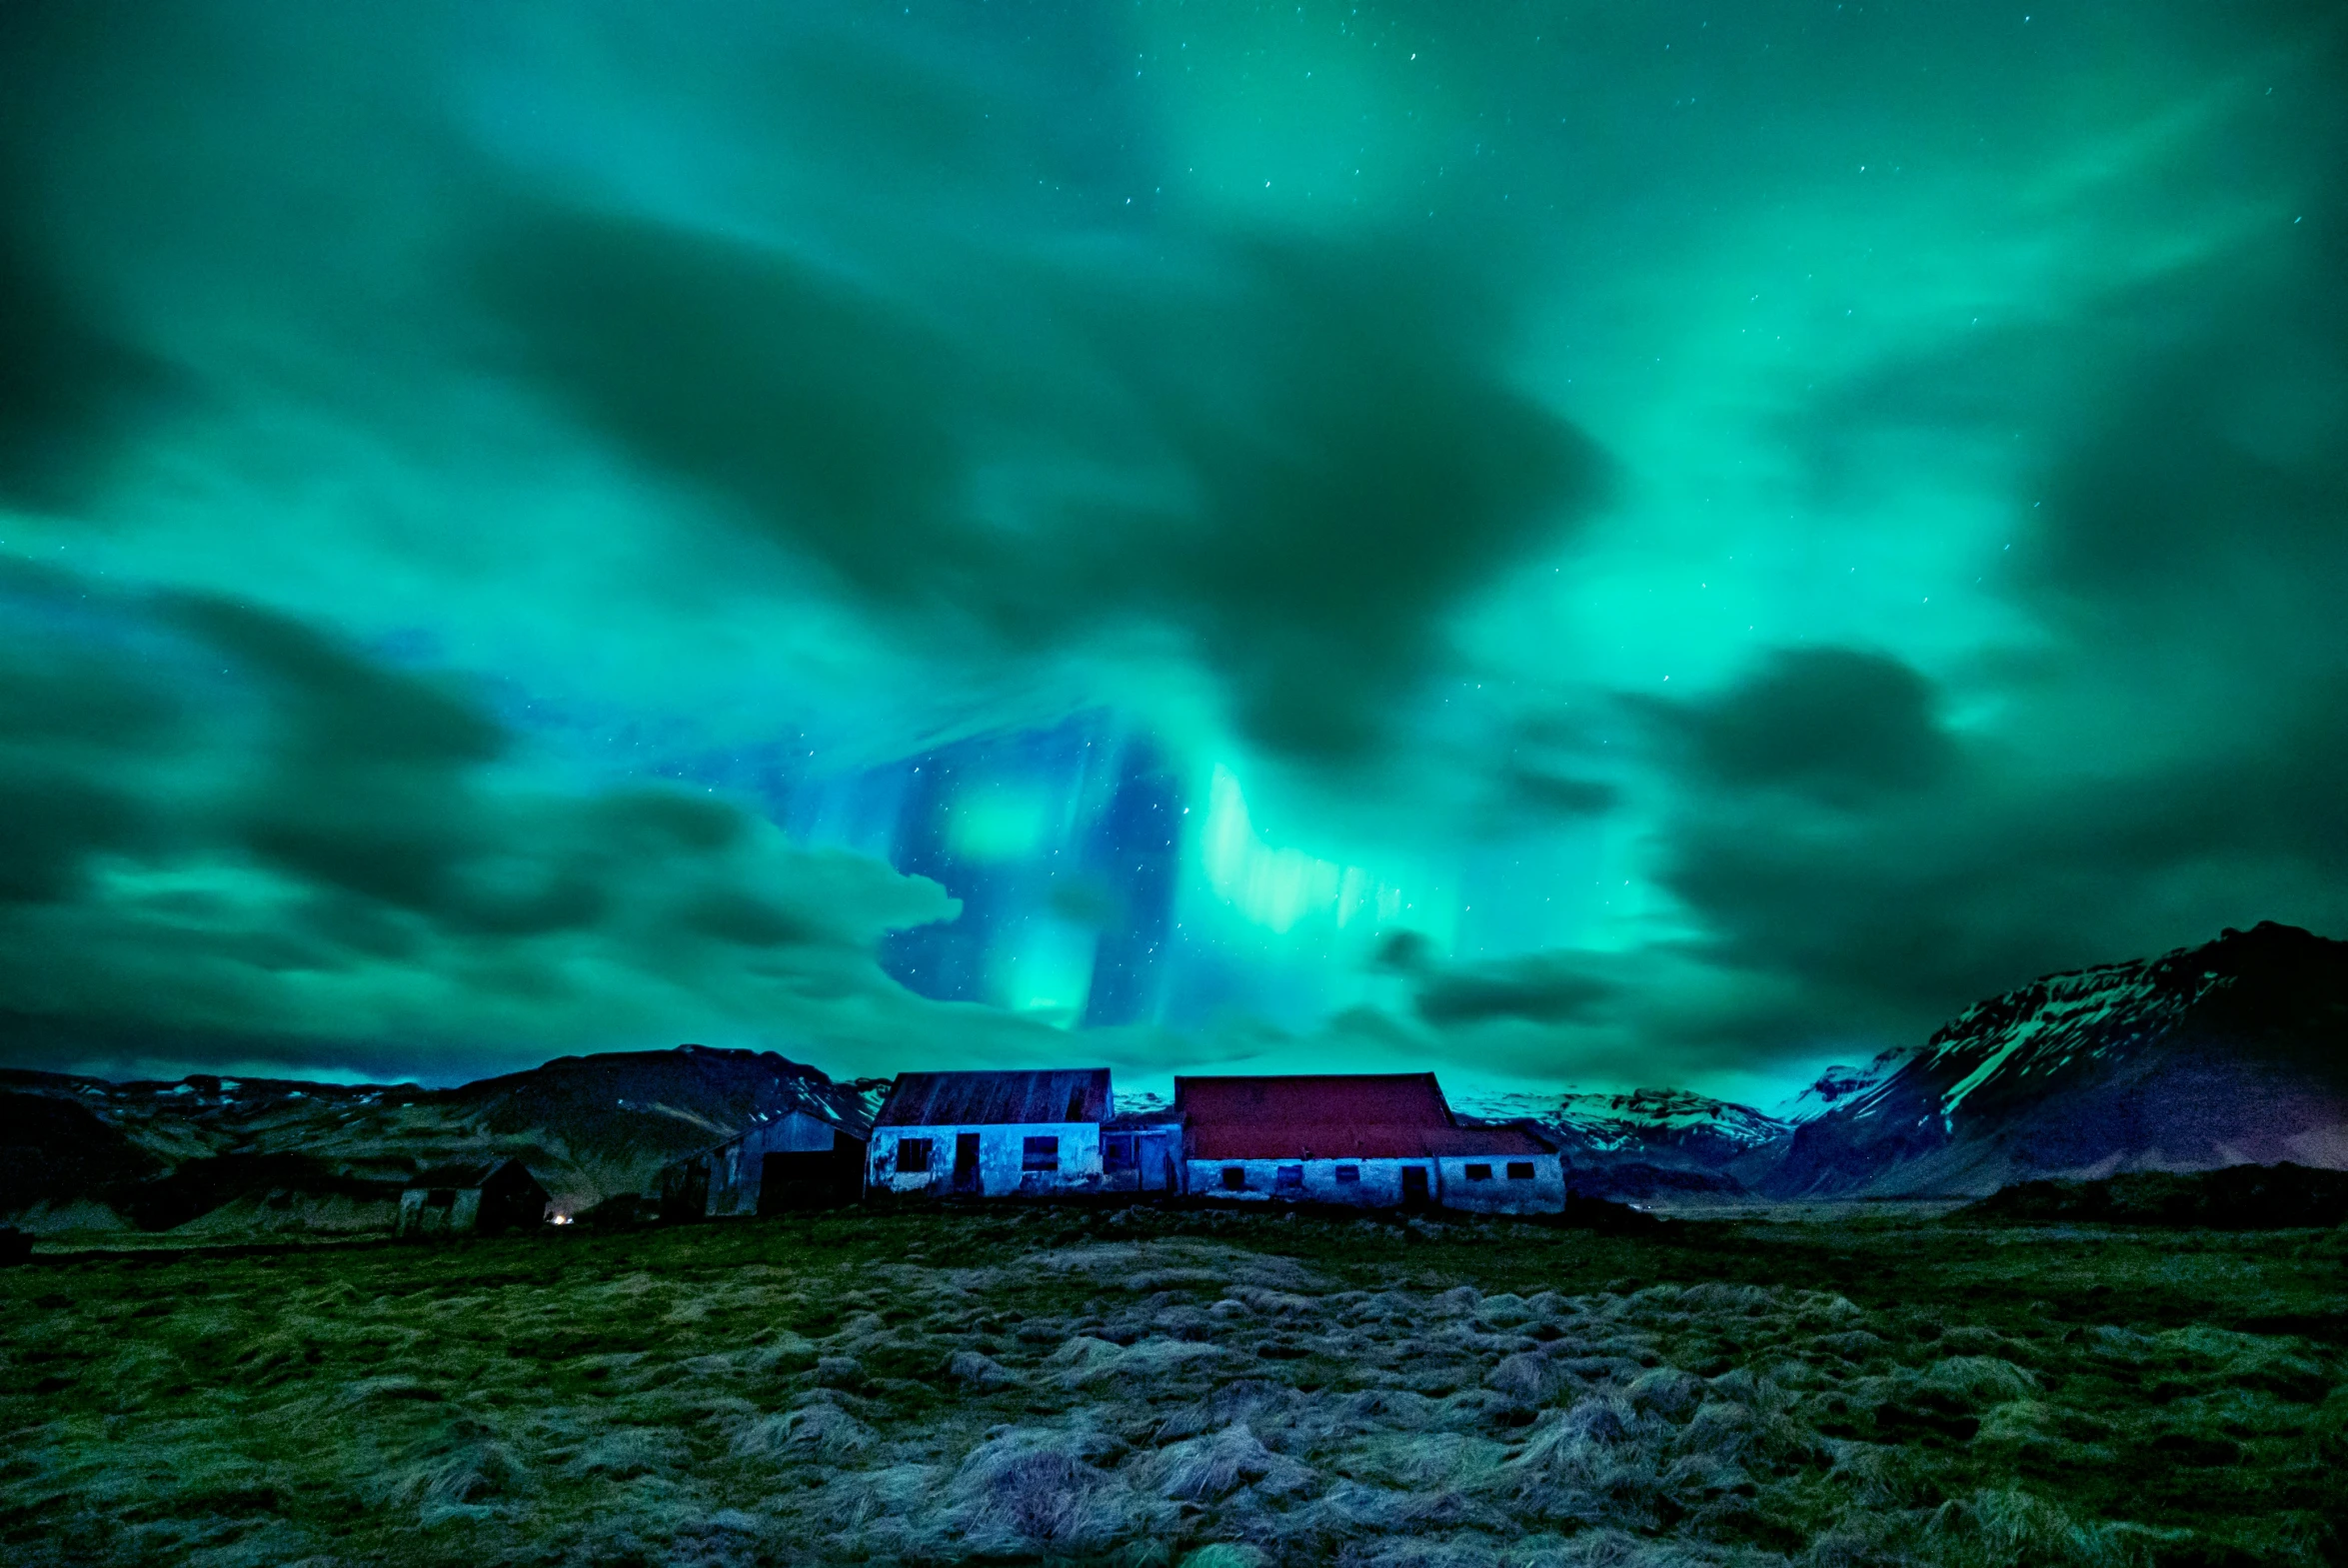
1712	1131
1838	1085
1643	1143
2229	1053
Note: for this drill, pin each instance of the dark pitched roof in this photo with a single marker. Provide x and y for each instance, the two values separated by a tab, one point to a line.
965	1099
1347	1098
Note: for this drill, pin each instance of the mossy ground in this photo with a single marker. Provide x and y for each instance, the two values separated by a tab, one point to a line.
1144	1386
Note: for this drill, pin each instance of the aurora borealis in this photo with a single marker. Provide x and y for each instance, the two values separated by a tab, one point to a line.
1608	545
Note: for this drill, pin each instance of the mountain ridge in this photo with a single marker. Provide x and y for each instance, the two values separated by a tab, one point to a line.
2228	1053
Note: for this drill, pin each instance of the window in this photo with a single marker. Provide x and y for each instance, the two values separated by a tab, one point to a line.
1521	1170
913	1156
1348	1172
1479	1172
1291	1178
441	1197
1040	1155
1235	1178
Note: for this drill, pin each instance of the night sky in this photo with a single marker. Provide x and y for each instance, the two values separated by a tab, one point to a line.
1589	543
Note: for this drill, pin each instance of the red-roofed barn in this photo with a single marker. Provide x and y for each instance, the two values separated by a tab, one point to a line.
1375	1140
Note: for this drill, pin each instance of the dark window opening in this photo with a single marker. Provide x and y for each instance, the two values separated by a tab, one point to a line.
1235	1178
1479	1172
1521	1170
1076	1104
1348	1172
441	1197
913	1156
1289	1176
1117	1152
1040	1155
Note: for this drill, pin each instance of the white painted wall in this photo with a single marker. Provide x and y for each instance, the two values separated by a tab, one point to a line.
1001	1149
1543	1194
1381	1183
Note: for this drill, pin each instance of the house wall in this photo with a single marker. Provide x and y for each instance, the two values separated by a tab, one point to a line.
1380	1185
1001	1148
421	1217
1543	1194
735	1170
1156	1165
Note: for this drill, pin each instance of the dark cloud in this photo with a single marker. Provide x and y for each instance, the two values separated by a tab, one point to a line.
1403	952
1833	723
1303	464
71	387
1558	795
1537	989
2166	758
340	845
1891	912
75	383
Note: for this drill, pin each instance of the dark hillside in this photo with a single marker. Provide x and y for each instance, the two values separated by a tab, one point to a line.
55	1153
2234	1052
2239	1197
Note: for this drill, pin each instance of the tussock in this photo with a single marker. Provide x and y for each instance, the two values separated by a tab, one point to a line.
730	1396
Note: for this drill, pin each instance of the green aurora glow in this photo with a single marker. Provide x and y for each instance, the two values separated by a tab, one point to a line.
1664	542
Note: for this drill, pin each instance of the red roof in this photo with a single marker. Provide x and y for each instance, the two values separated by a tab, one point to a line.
1335	1116
1352	1098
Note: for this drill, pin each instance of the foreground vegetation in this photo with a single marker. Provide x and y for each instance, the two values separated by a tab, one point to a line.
1218	1389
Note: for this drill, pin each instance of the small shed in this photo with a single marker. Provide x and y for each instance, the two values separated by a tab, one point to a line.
477	1198
1141	1151
1369	1140
796	1160
992	1133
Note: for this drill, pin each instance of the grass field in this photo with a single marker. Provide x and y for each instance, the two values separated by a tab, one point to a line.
1157	1387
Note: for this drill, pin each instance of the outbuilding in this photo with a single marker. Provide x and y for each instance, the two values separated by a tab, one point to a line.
992	1133
1368	1141
1141	1151
477	1198
794	1160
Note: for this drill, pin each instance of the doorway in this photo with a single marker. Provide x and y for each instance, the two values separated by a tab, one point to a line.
966	1162
795	1181
1414	1193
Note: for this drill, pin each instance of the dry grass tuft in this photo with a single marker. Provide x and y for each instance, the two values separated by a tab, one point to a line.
806	1393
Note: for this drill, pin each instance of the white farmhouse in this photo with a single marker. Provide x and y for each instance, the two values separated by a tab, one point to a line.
1369	1140
991	1134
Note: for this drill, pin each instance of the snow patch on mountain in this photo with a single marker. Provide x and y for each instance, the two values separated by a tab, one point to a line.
1641	1121
2047	1025
1838	1086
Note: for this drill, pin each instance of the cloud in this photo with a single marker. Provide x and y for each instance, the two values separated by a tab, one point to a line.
1300	455
1540	989
1888	911
223	823
71	387
1834	723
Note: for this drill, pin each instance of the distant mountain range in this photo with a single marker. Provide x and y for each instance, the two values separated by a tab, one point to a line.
261	1153
2235	1052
